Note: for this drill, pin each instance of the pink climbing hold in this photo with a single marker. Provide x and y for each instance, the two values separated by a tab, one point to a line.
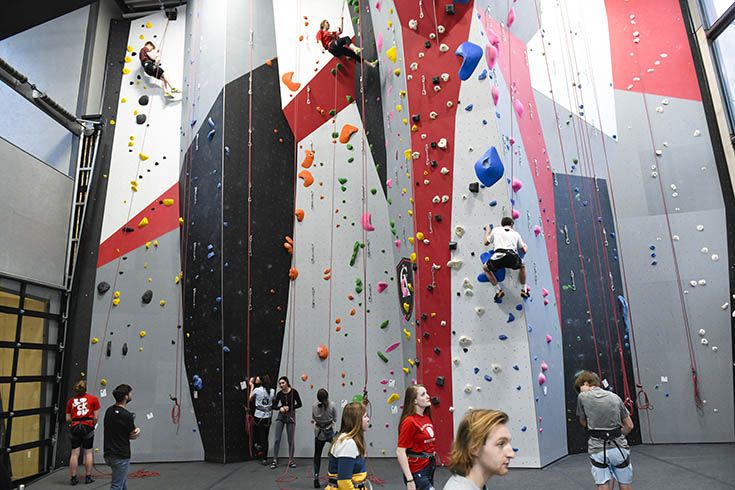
382	286
515	214
379	40
548	339
544	292
392	347
491	55
398	244
389	183
493	38
518	106
512	141
377	7
366	225
546	302
517	185
544	366
496	94
541	378
511	17
537	230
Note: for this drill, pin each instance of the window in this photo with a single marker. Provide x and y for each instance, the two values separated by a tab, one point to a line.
718	17
713	10
30	332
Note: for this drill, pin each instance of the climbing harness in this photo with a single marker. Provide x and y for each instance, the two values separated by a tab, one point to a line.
608	436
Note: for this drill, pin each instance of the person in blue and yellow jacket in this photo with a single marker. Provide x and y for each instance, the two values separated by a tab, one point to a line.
347	469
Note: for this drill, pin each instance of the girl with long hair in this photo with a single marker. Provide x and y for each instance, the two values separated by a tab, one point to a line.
324	415
261	399
347	468
287	402
415	451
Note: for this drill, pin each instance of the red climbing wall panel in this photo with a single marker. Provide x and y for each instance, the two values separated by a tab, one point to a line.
437	301
661	31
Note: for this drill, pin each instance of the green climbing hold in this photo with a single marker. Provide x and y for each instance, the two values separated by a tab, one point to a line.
333	71
333	112
384	324
349	146
358	285
373	191
392	224
343	188
351	159
349	98
342	180
575	161
335	135
355	249
339	66
383	357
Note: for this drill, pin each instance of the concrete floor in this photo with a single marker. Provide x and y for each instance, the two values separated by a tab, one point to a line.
670	467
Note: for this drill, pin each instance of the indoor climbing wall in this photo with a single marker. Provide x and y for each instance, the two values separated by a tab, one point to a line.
136	336
344	327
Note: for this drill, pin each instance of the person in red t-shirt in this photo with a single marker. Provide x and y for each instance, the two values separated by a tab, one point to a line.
415	451
151	62
339	46
82	411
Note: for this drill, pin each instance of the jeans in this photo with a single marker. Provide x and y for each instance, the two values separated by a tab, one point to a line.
119	468
424	478
279	432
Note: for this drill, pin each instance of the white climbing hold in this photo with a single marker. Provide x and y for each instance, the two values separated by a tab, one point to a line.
470	149
437	88
659	109
441	29
469	292
466	283
445	198
697	133
450	103
673	187
455	264
433	115
426	241
480	310
413	24
465	341
414	66
704	250
421	55
700	227
432	36
444	171
654	174
459	230
702	332
693	284
702	282
456	361
468	389
675	238
451	409
704	341
436	199
715	257
724	307
443	323
426	181
443	48
674	194
442	143
659	153
665	102
496	368
715	349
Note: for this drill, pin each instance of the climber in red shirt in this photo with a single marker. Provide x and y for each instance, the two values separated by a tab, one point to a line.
82	412
415	451
340	46
150	60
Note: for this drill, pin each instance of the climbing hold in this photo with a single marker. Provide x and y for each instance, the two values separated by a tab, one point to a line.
144	222
95	340
537	230
366	225
541	378
518	106
503	337
544	366
516	185
495	93
455	264
308	159
383	357
287	79
491	55
142	333
168	202
197	382
548	339
489	168
140	118
515	214
288	245
143	157
115	301
511	318
385	323
293	273
346	133
394	397
391	54
358	285
392	347
103	287
162	302
480	310
306	176
299	213
147	297
322	351
544	292
327	275
382	286
471	54
143	100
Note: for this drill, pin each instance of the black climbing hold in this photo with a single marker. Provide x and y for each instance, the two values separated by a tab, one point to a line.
435	80
427	44
440	380
434	163
430	287
474	187
140	118
438	218
433	144
147	297
435	400
125	349
449	9
109	348
128	229
414	267
426	335
437	350
424	316
143	100
452	245
416	118
103	287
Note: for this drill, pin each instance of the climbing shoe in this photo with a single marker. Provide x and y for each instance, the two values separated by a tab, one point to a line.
88	479
499	295
525	293
74	481
292	464
317	483
274	464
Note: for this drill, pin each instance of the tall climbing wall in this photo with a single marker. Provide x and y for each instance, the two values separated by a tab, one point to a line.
136	335
343	295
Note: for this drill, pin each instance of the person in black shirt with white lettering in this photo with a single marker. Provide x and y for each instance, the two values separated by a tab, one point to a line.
287	402
120	429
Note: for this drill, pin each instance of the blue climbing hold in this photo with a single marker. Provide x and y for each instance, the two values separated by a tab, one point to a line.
524	428
511	318
197	382
502	336
488	378
210	255
210	121
483	74
489	168
493	203
471	55
515	366
210	135
519	307
469	107
477	370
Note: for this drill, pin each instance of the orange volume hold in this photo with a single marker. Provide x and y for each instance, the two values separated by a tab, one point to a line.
346	133
308	159
306	176
287	79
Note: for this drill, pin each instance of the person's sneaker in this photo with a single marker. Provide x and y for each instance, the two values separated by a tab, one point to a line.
264	462
168	94
88	479
291	464
317	483
74	481
174	90
499	295
274	464
525	293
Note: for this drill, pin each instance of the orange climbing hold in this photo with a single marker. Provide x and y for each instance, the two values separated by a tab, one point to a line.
287	79
269	62
322	351
293	273
288	245
327	274
299	213
353	312
347	131
308	159
306	176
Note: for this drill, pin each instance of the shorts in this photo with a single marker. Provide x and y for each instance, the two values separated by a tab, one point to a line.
614	456
149	67
510	260
82	436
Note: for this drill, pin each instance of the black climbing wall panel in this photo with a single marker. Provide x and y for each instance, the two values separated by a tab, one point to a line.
583	346
76	347
372	111
217	297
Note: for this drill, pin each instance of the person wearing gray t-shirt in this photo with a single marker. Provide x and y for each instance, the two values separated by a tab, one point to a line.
604	414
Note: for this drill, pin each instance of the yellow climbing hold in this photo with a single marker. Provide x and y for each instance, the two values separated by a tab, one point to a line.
103	381
147	245
116	294
95	340
141	37
391	53
406	370
399	107
407	334
131	143
407	154
115	301
135	112
393	398
390	24
410	361
181	220
406	307
126	71
130	49
155	243
112	122
420	236
405	121
410	212
143	156
148	25
413	256
143	223
397	72
402	93
168	201
142	334
162	302
410	240
123	100
128	59
177	279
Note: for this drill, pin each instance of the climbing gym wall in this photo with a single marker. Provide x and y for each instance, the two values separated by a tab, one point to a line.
345	325
136	335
